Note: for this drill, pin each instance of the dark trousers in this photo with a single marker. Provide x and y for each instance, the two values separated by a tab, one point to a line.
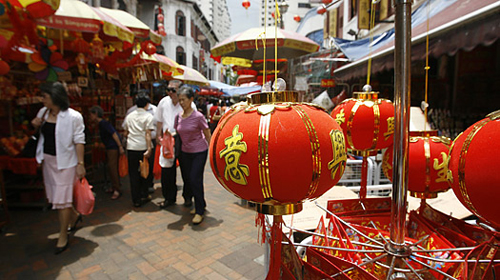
138	185
169	182
113	156
149	180
192	169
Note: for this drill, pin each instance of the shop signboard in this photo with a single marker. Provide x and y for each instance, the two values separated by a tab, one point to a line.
327	83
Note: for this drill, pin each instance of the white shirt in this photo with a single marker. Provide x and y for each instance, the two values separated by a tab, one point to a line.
151	109
137	123
167	111
69	132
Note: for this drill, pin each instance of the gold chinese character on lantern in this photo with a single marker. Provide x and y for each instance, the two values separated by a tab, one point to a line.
390	128
340	117
339	152
441	168
231	154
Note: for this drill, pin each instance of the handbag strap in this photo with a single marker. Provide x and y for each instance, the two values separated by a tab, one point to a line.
43	121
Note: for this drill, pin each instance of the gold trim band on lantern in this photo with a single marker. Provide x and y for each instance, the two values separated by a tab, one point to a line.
494	115
376	122
315	149
275	97
349	123
372	95
423	195
278	209
263	156
461	164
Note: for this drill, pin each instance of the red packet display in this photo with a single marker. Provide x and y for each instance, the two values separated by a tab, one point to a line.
316	259
356	206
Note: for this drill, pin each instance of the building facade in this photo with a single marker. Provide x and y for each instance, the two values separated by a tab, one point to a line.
289	9
217	14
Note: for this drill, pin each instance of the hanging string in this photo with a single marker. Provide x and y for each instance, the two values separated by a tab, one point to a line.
277	18
372	24
427	64
264	40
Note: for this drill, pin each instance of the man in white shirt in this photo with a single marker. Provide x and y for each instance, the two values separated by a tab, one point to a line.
168	108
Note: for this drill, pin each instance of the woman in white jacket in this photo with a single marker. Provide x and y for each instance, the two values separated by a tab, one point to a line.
60	150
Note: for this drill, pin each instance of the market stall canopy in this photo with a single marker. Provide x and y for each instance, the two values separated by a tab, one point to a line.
77	16
166	64
140	29
452	26
35	8
243	45
191	76
230	90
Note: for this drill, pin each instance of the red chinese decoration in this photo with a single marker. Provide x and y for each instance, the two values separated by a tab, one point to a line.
4	67
367	122
255	151
80	46
150	48
160	18
427	169
473	169
297	18
97	49
246	4
321	9
326	2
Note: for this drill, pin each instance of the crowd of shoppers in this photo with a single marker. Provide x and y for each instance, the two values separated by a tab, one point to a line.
60	149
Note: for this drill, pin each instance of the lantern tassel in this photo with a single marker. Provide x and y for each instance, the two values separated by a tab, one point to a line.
364	176
260	223
275	244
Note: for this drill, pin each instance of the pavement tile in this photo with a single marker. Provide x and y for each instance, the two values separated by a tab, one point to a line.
121	242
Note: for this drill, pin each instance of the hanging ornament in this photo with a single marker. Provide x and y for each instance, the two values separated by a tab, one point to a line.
163	33
473	169
79	45
297	18
4	67
273	15
427	159
326	2
97	49
321	9
47	64
81	63
246	4
160	18
150	49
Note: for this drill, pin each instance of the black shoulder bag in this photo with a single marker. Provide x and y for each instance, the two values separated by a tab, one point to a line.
177	139
29	150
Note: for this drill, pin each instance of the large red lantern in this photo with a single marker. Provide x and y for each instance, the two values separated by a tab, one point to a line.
427	159
246	4
277	153
150	49
473	169
367	122
297	18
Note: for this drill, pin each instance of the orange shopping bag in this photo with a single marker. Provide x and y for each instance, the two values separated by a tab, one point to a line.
83	198
123	165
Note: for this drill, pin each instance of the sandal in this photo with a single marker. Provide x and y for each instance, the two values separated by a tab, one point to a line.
116	195
79	219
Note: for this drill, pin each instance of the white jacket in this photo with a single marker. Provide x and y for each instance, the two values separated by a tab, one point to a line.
69	131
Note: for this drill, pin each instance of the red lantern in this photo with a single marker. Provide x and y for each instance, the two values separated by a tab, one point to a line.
326	2
297	18
163	33
321	9
161	26
277	154
473	169
80	46
246	4
160	18
273	15
367	122
97	48
150	49
427	159
4	67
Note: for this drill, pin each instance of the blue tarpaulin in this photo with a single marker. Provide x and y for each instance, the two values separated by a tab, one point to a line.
230	90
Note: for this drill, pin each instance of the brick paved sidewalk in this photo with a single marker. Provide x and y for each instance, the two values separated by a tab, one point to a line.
119	242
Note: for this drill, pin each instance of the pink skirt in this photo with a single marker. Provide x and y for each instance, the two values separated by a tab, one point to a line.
58	183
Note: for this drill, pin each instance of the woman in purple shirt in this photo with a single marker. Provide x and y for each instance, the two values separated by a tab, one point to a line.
194	132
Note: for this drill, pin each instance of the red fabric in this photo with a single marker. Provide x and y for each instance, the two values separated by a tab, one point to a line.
27	166
167	142
212	111
157	167
480	169
83	198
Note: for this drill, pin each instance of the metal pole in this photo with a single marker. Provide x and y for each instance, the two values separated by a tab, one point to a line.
401	125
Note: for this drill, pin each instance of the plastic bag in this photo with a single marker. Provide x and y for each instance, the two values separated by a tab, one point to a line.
144	167
157	167
83	198
167	143
123	165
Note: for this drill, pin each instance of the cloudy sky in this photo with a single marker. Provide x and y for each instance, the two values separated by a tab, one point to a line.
243	19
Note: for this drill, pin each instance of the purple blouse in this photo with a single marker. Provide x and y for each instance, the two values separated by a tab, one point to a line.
190	130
